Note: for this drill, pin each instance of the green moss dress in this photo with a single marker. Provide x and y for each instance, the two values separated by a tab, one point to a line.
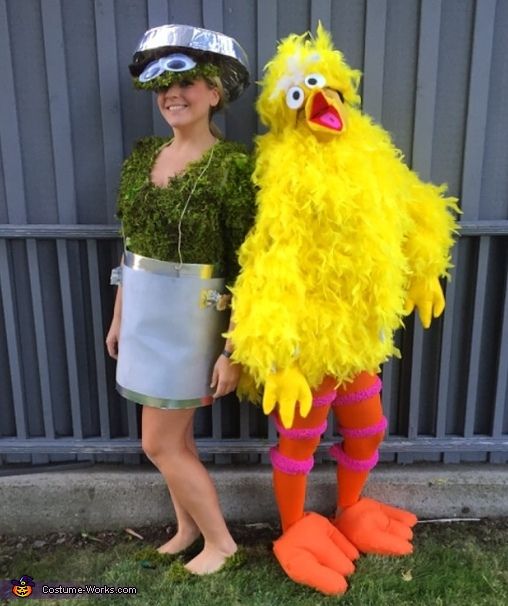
220	200
219	214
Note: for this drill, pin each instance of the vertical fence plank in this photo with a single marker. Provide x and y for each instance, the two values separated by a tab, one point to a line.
70	336
244	420
13	345
478	105
98	333
133	431
426	87
415	388
60	117
444	364
501	402
59	110
213	15
217	430
272	440
266	17
266	33
375	30
328	435
157	15
476	337
132	419
213	18
217	419
15	195
320	10
388	394
40	337
428	63
109	87
245	408
10	138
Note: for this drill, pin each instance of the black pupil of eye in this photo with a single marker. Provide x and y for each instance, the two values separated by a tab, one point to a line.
296	95
312	81
177	64
341	96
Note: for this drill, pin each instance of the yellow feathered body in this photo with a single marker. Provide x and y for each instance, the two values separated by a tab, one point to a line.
343	229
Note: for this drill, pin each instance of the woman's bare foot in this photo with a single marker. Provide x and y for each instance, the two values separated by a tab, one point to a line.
181	540
211	559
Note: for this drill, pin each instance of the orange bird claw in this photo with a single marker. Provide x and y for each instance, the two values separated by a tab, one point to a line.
374	527
313	552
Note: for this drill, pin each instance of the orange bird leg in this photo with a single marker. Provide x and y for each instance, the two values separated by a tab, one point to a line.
359	416
293	458
372	527
311	551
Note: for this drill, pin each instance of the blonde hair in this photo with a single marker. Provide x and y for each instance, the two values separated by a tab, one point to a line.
216	83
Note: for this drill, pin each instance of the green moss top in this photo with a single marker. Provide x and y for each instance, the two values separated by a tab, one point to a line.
219	214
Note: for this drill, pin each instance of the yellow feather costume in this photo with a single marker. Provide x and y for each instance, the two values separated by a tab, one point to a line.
343	231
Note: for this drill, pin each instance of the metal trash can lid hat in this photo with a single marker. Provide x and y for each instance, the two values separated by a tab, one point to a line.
202	44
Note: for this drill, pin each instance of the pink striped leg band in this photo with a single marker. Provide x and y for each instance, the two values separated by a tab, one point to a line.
365	432
354	464
359	396
300	434
290	466
325	400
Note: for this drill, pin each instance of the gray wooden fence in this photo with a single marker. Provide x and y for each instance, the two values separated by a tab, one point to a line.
436	76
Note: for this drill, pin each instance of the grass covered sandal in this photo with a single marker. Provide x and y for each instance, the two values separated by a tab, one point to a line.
177	573
237	560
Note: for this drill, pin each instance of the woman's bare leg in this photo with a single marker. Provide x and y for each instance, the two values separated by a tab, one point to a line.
165	441
187	530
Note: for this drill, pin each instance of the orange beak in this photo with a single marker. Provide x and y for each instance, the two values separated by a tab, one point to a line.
325	113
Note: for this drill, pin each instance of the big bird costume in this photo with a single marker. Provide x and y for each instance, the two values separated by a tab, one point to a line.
346	241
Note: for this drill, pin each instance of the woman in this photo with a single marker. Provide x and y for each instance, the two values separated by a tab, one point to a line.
186	204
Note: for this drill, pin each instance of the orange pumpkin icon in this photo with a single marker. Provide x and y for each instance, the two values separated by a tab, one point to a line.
23	586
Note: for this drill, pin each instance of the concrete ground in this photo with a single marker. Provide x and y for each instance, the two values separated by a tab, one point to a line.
109	497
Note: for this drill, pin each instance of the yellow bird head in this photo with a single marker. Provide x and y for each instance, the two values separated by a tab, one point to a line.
308	81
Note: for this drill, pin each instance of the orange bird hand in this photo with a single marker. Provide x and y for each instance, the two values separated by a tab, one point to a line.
373	527
313	552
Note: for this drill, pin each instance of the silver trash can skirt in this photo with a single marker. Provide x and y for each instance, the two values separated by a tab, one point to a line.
170	334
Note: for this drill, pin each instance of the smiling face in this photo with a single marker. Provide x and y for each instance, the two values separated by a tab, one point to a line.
187	103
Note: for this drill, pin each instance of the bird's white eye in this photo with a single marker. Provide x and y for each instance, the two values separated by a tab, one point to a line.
314	80
294	97
151	71
177	62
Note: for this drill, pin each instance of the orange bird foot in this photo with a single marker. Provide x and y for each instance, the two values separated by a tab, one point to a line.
374	527
313	552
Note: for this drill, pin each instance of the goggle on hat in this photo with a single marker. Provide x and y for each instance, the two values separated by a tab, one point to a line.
171	53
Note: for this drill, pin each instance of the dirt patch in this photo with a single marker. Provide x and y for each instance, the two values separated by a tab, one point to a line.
246	534
486	531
